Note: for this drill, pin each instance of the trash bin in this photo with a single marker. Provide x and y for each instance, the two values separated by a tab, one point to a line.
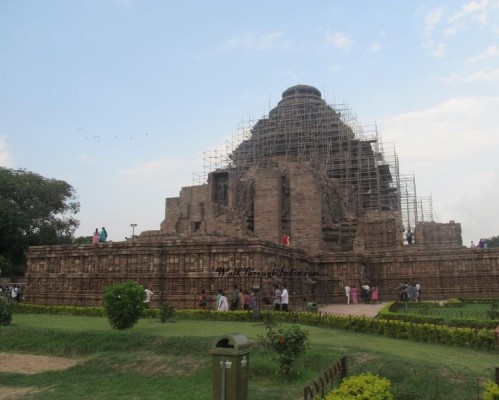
230	365
312	307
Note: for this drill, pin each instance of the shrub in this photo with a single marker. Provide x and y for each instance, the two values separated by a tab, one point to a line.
166	312
287	343
5	312
491	391
362	387
454	302
124	304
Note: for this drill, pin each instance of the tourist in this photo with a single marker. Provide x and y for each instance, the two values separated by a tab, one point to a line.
412	292
365	293
285	239
404	292
277	298
217	298
149	294
19	293
480	244
472	245
247	300
241	299
103	235
202	303
409	237
418	288
284	298
223	304
374	294
235	299
96	237
13	293
354	295
347	293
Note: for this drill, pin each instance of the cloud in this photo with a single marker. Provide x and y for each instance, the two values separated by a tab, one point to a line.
439	51
452	129
452	148
263	42
374	48
487	54
474	77
85	158
476	9
338	40
5	157
432	19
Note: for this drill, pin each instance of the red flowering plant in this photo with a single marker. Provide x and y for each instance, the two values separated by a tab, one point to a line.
287	343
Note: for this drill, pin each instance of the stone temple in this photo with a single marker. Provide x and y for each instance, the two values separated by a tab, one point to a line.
306	171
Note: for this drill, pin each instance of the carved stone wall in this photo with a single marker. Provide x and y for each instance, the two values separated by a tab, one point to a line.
177	269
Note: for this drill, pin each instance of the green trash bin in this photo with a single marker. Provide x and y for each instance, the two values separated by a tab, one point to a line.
230	365
312	307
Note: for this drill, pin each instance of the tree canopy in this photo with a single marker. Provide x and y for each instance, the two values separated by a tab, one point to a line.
493	241
33	211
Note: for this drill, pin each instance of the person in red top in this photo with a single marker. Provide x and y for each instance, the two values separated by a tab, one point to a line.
285	240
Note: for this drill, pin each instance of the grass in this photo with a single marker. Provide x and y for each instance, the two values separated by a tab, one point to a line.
474	311
172	360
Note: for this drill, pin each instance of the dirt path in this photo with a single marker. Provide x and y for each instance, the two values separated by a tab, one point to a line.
28	364
369	310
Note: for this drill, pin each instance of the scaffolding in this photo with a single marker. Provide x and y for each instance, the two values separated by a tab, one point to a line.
304	128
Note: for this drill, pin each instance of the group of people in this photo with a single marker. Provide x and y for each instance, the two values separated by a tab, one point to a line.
482	244
409	292
12	293
240	299
368	294
99	237
281	298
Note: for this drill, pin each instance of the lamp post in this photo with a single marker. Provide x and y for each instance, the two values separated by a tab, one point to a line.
133	229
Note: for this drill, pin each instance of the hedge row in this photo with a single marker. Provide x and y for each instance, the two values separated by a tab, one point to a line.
389	312
419	332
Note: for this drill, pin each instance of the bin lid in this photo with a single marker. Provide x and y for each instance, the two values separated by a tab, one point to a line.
232	343
311	304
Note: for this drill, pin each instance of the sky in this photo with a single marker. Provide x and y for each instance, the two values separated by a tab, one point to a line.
122	98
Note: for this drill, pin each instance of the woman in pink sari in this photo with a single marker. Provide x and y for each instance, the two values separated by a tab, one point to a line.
354	294
96	236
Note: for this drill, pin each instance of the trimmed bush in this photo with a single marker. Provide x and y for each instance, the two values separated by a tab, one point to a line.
5	312
491	391
287	343
166	312
124	304
362	387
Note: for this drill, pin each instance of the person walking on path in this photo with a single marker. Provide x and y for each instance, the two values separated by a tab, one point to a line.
284	299
277	298
347	293
354	293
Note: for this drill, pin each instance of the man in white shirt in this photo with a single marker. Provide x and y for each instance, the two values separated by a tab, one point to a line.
284	298
149	294
347	293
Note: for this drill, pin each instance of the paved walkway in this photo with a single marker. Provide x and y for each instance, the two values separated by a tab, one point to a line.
369	310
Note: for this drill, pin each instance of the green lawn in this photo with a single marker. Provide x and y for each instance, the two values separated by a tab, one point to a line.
473	311
172	360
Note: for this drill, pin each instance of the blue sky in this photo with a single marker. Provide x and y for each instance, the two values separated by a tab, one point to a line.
121	98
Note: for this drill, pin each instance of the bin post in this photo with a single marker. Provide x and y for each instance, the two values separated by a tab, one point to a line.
230	367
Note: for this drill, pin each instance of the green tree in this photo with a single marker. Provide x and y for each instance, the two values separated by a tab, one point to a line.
493	242
124	304
83	240
33	211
